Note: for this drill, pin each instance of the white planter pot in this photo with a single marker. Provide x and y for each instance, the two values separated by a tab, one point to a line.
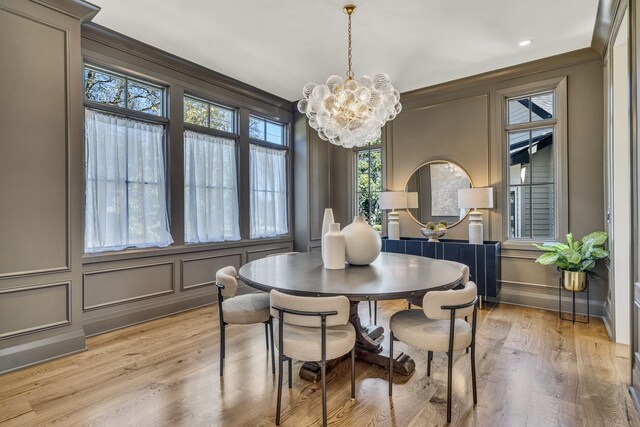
334	248
363	243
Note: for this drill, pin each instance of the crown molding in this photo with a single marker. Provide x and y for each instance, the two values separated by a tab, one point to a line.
79	9
605	18
121	42
520	70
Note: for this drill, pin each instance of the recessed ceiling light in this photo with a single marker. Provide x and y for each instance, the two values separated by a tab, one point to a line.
525	42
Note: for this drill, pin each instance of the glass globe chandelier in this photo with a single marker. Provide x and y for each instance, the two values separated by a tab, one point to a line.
350	112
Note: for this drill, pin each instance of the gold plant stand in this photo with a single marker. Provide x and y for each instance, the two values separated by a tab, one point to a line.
572	316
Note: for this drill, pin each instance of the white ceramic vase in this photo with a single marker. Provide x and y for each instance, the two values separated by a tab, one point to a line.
326	221
363	243
334	248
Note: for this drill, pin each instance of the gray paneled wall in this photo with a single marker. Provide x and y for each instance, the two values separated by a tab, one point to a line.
458	121
51	296
40	160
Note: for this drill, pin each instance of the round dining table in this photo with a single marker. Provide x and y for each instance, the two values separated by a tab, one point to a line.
391	276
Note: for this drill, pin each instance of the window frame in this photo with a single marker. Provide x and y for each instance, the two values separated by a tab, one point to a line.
127	113
354	176
560	165
207	129
235	136
286	147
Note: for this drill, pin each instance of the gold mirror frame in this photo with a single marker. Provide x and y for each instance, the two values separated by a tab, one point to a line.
438	162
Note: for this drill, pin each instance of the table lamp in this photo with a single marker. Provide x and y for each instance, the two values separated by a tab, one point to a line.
475	198
393	200
412	200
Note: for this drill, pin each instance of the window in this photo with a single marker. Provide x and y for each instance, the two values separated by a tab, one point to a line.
210	188
125	186
267	178
116	90
210	115
265	130
369	185
531	139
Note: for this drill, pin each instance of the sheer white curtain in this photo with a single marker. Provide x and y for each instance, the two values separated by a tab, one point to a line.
210	189
268	191
125	194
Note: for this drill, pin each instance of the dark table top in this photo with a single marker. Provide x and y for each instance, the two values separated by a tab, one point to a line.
390	276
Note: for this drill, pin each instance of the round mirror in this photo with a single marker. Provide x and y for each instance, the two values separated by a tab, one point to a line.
436	185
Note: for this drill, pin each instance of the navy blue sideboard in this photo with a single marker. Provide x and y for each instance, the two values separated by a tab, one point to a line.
483	260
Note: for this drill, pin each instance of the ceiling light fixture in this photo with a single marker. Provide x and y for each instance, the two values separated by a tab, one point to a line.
350	112
526	42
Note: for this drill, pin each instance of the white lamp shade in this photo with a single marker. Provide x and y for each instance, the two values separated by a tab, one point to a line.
412	200
474	198
393	200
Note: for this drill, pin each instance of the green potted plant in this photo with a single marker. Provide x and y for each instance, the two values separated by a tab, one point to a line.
576	259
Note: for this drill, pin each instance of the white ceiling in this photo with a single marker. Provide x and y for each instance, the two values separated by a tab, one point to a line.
279	45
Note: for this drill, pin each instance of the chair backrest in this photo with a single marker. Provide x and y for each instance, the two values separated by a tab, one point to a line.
463	267
434	300
227	277
282	253
312	305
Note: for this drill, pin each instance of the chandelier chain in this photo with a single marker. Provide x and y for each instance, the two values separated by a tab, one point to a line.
350	72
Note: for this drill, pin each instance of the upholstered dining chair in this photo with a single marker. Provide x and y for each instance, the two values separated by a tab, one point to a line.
417	300
439	327
313	330
241	309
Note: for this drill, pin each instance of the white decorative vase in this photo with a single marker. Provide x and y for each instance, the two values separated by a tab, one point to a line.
334	248
363	243
326	221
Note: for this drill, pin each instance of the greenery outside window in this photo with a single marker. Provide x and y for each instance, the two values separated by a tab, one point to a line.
118	90
368	180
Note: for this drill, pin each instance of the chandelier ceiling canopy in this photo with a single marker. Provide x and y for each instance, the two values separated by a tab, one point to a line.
350	112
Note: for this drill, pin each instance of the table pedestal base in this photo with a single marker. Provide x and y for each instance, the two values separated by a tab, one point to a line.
368	347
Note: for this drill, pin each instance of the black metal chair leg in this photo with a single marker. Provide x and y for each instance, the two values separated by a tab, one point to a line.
323	379
473	373
375	312
290	374
280	369
266	334
273	348
369	311
429	359
221	349
449	378
353	372
409	305
390	363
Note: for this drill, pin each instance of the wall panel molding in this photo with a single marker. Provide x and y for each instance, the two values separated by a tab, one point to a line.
66	266
185	262
28	306
87	275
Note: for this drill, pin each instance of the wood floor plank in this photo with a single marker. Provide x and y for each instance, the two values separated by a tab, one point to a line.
533	370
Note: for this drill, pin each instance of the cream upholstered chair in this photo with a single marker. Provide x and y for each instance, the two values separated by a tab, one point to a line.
312	330
241	309
439	327
417	300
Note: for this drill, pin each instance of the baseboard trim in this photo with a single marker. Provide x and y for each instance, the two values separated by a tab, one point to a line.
547	299
112	321
40	351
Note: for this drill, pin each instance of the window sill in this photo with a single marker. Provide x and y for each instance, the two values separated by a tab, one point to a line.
523	244
133	253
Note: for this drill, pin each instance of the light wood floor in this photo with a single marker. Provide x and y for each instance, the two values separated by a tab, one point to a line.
533	370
